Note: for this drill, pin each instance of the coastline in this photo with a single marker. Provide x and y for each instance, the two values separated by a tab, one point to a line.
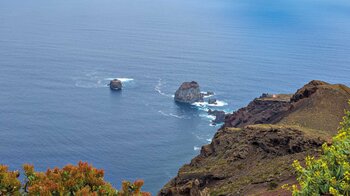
252	153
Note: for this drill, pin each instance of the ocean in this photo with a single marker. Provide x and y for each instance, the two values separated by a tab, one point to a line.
57	57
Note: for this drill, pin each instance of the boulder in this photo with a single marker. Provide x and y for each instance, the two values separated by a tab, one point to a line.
116	84
188	92
219	116
209	93
212	101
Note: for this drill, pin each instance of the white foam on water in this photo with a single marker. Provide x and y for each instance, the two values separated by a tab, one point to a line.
121	79
196	148
206	104
207	116
207	96
159	86
126	79
216	124
203	138
218	104
172	115
94	80
199	138
163	113
177	116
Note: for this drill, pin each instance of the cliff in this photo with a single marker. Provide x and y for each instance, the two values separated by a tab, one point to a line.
251	154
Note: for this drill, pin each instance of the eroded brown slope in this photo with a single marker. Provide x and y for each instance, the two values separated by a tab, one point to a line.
322	110
316	105
256	157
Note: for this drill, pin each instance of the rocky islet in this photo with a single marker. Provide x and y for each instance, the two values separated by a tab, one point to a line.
116	84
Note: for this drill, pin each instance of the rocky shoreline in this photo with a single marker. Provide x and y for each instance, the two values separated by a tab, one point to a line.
251	154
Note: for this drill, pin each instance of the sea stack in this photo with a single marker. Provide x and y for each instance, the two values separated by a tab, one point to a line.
188	92
116	84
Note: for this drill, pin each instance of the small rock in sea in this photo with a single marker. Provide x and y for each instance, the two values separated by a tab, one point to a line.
209	93
188	92
212	101
116	84
219	116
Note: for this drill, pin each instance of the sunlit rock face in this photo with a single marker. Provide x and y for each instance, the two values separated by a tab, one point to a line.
188	92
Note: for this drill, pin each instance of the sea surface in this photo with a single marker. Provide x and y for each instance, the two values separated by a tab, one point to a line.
57	57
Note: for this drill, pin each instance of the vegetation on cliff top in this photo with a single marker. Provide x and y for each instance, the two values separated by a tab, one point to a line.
330	173
82	179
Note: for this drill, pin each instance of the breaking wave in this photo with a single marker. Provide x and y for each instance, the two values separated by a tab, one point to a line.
172	115
206	104
124	80
207	96
95	80
207	116
196	148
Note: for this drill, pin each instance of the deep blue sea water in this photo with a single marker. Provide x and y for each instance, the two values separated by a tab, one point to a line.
56	58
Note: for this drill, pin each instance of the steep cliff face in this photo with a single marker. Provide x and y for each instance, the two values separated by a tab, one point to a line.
240	159
251	154
259	111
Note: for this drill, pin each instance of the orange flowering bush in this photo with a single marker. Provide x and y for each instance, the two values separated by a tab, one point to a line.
67	181
9	183
82	179
129	189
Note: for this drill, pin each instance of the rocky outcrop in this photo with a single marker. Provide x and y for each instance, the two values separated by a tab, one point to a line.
261	110
212	101
307	90
188	92
116	84
252	153
219	116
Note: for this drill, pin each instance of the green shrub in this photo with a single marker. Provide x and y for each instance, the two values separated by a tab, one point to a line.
330	173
